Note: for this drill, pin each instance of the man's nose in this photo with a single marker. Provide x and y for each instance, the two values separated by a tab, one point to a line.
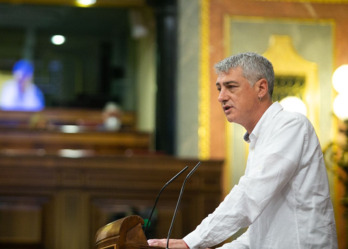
222	96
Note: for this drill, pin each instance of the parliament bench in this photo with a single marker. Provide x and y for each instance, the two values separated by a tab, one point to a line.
71	132
56	142
55	117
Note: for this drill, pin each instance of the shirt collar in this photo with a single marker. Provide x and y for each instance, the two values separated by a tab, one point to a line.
269	113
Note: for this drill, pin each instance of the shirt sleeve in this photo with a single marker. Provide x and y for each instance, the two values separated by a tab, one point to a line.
242	242
271	167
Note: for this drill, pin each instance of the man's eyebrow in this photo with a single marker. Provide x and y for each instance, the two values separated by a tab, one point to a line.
226	82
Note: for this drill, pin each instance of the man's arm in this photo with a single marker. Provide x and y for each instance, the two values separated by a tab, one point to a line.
242	242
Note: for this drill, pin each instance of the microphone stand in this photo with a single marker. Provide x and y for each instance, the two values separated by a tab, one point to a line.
157	198
178	202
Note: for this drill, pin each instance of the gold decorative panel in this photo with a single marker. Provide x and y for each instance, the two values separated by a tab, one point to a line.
295	76
288	85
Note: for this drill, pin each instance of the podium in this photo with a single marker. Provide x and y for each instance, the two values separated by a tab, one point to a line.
125	233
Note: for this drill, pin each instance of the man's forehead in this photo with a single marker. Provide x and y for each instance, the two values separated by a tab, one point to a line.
231	76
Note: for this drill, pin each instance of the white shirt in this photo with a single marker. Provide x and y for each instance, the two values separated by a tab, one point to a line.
284	195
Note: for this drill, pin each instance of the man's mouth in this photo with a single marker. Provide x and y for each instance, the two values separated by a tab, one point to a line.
226	108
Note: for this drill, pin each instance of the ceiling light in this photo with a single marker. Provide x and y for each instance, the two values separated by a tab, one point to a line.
58	39
85	3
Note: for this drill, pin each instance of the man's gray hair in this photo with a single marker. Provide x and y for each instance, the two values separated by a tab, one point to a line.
254	66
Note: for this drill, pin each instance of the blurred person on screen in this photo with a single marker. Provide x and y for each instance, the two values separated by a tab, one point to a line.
20	93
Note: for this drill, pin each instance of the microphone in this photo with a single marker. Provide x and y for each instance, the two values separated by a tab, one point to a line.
157	198
178	202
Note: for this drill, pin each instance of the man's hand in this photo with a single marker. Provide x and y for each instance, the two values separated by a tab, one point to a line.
173	243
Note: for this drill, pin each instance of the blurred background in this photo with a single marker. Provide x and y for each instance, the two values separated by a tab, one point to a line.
129	94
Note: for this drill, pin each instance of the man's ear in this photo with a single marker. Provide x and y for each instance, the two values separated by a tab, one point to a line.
261	87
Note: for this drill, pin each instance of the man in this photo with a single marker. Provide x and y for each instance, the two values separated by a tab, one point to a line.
21	94
284	197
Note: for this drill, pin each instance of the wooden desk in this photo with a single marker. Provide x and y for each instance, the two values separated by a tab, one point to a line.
125	233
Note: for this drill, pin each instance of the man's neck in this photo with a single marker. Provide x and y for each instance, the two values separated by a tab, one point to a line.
258	114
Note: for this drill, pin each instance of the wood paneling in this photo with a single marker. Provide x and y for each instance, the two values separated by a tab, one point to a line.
74	197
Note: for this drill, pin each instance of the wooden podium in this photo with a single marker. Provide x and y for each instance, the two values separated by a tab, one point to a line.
125	233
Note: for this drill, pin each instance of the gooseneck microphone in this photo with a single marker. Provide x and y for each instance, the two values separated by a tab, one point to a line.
157	198
178	202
